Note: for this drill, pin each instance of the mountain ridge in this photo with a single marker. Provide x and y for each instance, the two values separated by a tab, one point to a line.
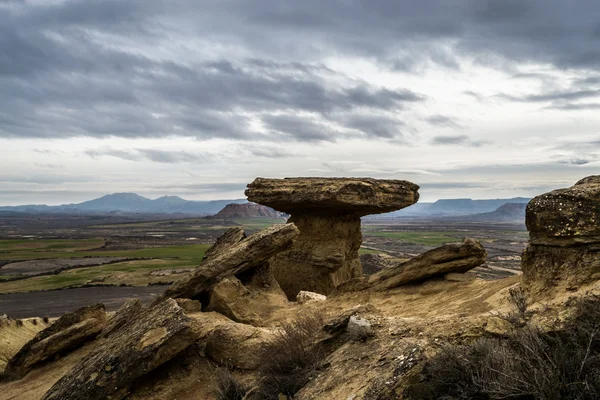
132	202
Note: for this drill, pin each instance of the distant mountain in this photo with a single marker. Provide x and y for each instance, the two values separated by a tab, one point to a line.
455	207
506	212
131	203
248	210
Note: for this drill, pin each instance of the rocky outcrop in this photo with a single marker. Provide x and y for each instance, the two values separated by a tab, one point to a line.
147	341
67	333
564	237
451	257
247	254
248	210
327	212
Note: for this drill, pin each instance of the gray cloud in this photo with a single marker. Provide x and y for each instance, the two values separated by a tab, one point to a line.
443	121
462	140
376	126
76	55
575	106
160	156
300	128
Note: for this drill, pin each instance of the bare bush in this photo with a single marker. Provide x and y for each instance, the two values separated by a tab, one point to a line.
291	358
228	387
19	322
519	298
46	320
531	364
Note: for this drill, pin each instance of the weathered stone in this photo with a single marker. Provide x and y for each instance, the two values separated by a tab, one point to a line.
305	297
67	333
107	372
229	297
226	241
566	217
247	254
451	257
564	232
124	314
358	328
189	306
238	345
458	277
327	212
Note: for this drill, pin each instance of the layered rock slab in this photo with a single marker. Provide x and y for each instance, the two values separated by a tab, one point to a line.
233	259
564	233
147	341
451	257
67	333
327	212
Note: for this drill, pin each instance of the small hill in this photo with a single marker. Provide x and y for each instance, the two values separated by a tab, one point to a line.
506	212
248	210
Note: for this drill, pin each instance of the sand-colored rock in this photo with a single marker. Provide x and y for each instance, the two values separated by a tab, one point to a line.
564	232
245	255
227	240
237	345
327	212
154	337
124	314
67	333
451	257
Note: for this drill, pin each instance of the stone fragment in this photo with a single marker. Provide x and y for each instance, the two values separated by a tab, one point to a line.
564	233
359	328
373	263
152	338
189	306
327	212
250	253
305	296
451	257
67	333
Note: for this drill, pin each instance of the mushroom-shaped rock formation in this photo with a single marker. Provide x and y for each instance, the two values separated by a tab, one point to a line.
327	212
564	233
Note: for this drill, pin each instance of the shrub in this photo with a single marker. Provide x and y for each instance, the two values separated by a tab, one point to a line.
228	388
46	320
531	364
34	321
19	322
291	358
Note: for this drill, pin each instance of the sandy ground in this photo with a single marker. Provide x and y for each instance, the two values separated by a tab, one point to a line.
54	303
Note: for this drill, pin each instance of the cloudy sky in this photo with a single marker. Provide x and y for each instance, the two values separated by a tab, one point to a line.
467	98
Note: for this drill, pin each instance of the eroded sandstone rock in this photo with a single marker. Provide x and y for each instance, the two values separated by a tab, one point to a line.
451	257
226	241
237	345
67	333
124	314
155	336
327	212
564	232
247	254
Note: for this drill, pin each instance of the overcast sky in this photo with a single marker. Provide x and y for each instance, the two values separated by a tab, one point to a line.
196	98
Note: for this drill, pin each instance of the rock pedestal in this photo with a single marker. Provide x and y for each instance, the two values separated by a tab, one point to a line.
327	212
564	233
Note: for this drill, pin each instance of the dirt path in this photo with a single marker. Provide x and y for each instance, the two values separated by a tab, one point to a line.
54	303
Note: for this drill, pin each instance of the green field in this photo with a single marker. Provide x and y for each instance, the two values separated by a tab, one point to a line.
423	238
135	272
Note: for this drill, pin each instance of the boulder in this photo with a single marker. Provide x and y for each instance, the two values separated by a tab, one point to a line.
238	345
305	297
358	328
327	212
230	298
66	334
226	241
152	338
247	254
124	314
451	257
564	237
189	306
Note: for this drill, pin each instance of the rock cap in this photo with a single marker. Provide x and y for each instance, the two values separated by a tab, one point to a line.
362	196
566	216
